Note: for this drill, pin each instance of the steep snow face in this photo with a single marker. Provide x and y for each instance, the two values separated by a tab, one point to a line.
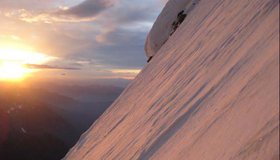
210	93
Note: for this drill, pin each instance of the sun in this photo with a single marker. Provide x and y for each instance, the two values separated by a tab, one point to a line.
13	71
13	63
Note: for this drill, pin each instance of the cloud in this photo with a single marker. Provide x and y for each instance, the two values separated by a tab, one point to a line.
26	4
124	50
119	42
111	37
85	11
38	66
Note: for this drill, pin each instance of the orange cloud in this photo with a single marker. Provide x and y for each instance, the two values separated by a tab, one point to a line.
83	12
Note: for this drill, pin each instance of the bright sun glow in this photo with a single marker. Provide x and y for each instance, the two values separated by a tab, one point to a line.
13	63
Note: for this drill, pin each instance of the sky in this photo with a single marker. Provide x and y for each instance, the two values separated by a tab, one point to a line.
86	39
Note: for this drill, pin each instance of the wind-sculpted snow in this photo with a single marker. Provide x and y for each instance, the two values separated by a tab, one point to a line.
162	28
210	93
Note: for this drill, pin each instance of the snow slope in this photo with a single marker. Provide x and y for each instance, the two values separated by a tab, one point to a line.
162	27
210	93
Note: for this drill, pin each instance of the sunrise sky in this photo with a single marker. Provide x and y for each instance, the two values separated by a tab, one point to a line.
74	39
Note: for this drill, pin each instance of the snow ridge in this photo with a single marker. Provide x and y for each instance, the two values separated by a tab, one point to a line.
211	92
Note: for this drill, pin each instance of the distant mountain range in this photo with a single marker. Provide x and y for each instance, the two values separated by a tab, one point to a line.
44	121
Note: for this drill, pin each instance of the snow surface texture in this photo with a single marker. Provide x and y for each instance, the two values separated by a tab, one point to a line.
162	28
210	93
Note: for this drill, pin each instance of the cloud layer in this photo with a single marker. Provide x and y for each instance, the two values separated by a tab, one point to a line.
44	66
93	35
